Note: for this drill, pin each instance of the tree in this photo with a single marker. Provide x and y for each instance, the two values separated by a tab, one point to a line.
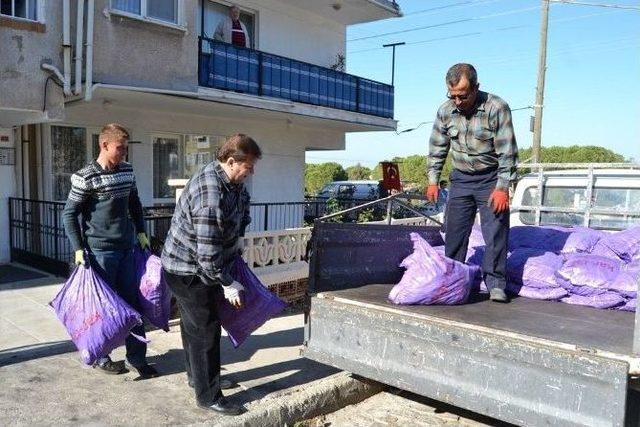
574	154
317	175
358	172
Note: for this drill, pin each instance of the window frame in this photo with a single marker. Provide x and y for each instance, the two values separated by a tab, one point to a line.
38	11
183	138
144	15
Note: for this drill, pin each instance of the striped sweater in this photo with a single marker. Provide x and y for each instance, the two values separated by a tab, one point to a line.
96	215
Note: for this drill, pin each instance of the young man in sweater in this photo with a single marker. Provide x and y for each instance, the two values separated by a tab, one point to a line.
96	219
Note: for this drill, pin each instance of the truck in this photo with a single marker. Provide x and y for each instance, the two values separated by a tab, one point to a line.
528	363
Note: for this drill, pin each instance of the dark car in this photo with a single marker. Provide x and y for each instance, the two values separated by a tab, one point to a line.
347	193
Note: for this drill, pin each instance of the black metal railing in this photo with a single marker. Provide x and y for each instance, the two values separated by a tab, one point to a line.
37	234
224	66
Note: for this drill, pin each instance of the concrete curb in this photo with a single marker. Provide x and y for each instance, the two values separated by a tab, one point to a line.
307	401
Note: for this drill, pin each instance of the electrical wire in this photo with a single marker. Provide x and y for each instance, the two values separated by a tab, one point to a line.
611	6
510	28
442	24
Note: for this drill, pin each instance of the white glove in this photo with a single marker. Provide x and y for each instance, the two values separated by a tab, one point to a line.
232	293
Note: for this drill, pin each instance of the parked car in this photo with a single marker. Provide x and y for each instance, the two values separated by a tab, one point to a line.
347	193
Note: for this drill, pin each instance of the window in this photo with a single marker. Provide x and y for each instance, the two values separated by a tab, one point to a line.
26	9
616	200
69	149
162	10
180	156
556	197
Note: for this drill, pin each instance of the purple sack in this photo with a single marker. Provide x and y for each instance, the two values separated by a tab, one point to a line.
533	267
625	243
95	317
259	305
606	300
629	305
550	294
582	239
548	238
154	294
626	284
589	270
604	251
431	278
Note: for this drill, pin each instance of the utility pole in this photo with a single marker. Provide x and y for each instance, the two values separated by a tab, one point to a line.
542	67
393	58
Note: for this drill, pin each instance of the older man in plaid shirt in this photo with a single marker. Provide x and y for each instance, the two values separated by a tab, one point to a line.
477	127
206	230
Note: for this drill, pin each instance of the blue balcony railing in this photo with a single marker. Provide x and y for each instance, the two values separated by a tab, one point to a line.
228	67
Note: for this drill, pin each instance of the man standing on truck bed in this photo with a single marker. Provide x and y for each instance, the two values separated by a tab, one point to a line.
477	126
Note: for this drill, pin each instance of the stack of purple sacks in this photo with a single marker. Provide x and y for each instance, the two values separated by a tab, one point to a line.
572	265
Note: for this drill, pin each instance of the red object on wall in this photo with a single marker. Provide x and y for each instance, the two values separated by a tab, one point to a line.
391	176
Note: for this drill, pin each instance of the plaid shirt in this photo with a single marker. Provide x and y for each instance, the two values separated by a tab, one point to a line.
482	142
211	215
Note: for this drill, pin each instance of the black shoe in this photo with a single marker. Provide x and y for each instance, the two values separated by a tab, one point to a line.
498	295
224	384
222	406
110	367
146	372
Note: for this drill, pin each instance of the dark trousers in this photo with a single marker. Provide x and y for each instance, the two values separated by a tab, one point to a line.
118	269
200	330
469	193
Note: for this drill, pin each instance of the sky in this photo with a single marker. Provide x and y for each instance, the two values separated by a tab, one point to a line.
592	88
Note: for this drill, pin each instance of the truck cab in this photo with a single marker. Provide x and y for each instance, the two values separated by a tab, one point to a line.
596	197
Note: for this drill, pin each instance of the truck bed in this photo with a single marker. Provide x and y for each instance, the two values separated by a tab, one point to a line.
533	363
607	332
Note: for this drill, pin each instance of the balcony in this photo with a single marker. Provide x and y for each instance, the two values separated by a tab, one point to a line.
227	67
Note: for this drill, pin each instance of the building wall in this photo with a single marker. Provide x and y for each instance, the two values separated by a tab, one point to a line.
279	175
296	33
133	53
22	51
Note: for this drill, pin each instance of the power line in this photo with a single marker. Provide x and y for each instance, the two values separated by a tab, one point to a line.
460	5
442	24
514	27
612	6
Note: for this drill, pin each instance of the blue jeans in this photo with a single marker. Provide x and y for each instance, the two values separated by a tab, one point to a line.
118	269
468	194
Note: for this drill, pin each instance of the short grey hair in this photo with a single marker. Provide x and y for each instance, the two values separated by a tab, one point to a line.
456	72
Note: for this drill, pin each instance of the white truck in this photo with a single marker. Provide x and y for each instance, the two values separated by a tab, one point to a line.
530	362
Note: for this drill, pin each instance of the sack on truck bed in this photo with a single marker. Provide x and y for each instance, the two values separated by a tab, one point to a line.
605	300
431	278
589	270
549	294
533	268
625	244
